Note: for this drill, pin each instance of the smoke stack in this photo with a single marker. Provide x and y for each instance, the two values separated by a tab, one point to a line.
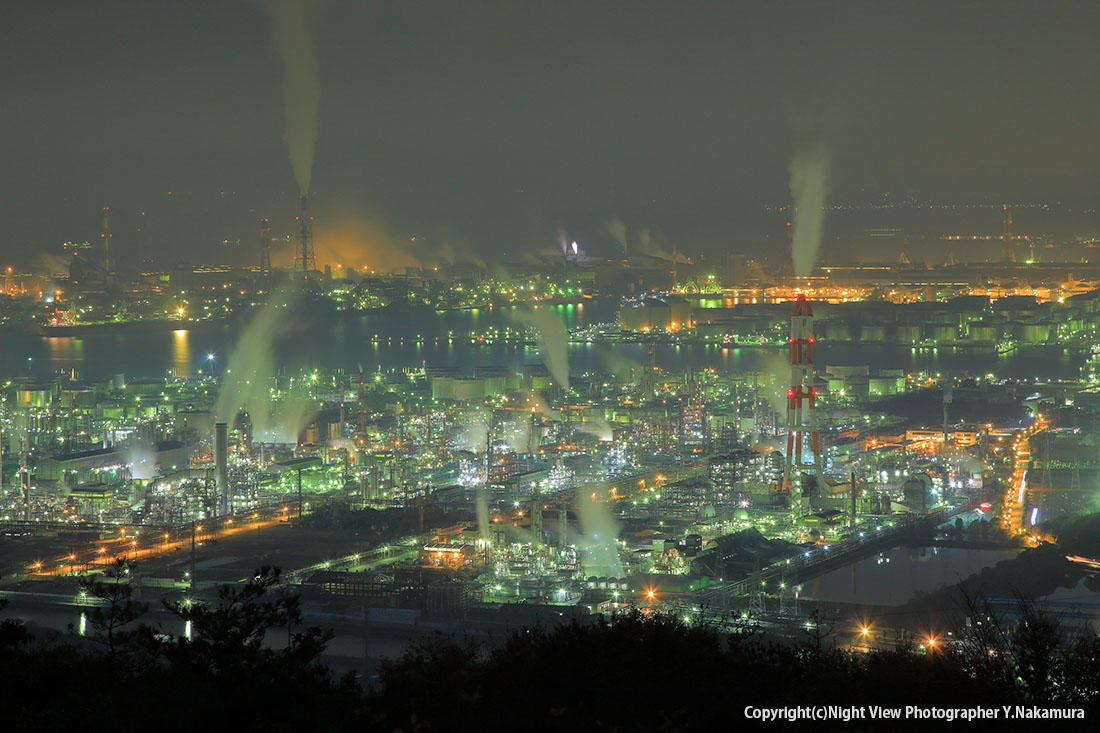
221	466
536	517
265	248
106	235
801	400
306	256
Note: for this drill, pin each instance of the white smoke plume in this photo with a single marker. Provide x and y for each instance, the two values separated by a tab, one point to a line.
616	227
283	420
473	435
294	42
622	367
517	433
599	535
553	340
646	243
141	459
248	381
481	503
540	404
809	174
598	427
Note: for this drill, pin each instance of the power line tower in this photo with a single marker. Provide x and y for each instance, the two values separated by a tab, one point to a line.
306	258
143	231
265	248
105	235
948	398
674	273
1008	254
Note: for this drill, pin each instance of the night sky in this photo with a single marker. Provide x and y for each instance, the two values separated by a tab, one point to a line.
485	126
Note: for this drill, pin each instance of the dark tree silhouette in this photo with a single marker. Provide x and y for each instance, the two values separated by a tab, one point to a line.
114	607
250	665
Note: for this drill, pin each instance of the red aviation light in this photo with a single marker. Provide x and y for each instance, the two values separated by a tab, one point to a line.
811	339
790	392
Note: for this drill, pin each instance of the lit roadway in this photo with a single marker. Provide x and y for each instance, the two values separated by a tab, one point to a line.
138	543
1012	505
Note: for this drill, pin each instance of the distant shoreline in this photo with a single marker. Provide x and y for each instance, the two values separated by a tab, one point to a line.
143	326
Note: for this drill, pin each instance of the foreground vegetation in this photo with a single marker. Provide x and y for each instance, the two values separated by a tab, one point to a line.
250	664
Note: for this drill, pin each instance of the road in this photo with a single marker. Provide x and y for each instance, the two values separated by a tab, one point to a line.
1013	503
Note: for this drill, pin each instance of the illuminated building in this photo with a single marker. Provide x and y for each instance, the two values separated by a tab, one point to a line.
670	313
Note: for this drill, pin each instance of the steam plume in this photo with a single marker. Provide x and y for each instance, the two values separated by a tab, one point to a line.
809	172
616	227
517	433
292	38
481	503
545	409
597	427
649	244
142	460
473	436
553	341
600	530
248	379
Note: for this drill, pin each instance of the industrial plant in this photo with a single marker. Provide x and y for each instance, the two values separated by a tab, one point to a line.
566	366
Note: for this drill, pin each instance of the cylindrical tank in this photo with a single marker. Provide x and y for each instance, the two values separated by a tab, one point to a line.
872	333
907	334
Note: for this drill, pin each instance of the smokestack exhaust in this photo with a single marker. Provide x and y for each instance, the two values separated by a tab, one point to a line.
292	36
809	173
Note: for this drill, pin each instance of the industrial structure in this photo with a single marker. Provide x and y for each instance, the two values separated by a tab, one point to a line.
482	482
1008	252
265	248
306	257
221	466
106	236
802	397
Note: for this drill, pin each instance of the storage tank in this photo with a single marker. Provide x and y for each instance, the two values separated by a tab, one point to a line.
943	333
873	334
908	334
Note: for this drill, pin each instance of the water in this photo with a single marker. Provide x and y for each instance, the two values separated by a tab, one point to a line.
344	341
892	578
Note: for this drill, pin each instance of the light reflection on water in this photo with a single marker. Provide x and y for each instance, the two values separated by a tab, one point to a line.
181	353
345	341
892	578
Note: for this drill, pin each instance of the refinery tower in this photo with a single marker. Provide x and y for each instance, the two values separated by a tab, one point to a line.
803	443
306	257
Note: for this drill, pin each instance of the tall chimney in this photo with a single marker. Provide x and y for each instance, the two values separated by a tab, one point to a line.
306	255
221	466
801	400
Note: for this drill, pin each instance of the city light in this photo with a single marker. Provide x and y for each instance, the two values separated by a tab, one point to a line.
492	342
